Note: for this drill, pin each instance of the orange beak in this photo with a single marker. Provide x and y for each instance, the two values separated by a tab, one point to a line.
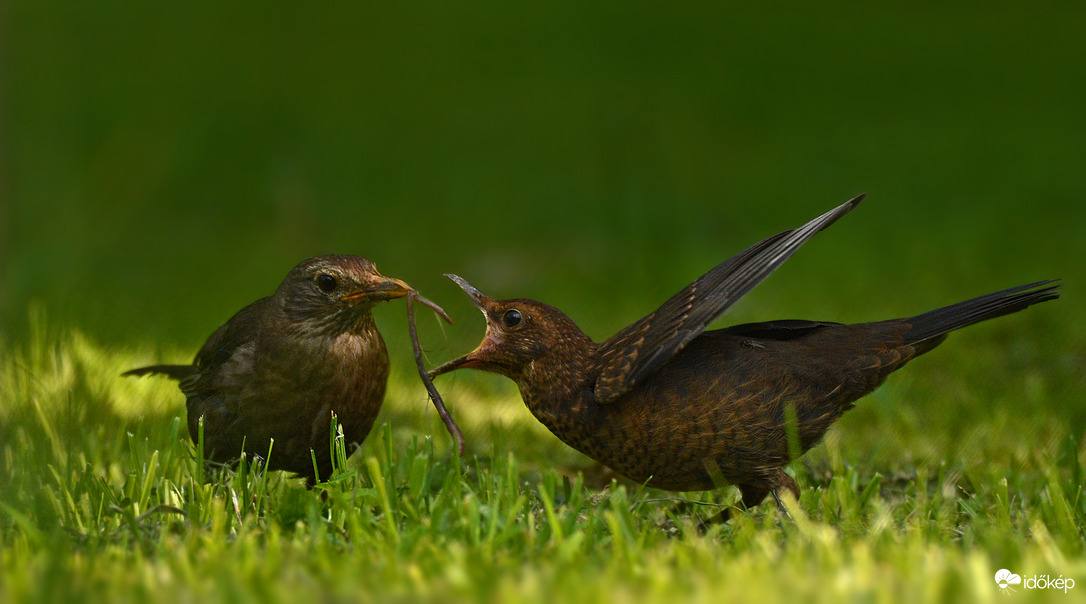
380	289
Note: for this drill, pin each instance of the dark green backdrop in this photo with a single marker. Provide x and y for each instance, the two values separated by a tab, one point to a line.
163	166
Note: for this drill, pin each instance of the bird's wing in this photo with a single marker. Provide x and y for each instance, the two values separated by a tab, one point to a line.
222	365
226	354
780	330
644	346
241	329
216	351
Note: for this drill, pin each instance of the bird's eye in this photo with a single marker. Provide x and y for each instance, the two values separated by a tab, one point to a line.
511	318
326	282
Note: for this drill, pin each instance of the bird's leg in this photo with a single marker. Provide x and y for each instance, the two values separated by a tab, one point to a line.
784	481
753	494
750	496
780	506
719	518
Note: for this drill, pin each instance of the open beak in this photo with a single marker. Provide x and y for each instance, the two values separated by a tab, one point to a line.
479	298
380	289
476	358
464	362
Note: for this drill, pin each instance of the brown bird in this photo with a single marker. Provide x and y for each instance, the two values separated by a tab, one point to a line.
272	376
666	403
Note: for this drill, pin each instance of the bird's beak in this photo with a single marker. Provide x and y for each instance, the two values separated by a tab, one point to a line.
482	358
380	289
475	359
479	298
464	362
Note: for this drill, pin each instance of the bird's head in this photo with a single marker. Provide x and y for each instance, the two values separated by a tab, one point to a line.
336	290
525	340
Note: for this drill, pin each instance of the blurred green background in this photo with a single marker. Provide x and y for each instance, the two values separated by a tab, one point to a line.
162	166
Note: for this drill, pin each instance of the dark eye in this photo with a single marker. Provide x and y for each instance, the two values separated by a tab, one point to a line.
511	318
326	282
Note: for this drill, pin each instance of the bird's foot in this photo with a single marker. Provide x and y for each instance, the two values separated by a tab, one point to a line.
781	506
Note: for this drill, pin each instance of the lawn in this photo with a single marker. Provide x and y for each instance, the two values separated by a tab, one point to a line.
104	499
162	167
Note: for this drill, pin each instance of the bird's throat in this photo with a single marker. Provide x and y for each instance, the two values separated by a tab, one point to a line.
556	390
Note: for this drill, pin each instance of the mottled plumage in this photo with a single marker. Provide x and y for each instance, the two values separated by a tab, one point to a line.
666	402
280	367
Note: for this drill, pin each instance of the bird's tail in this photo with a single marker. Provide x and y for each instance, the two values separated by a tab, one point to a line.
177	372
941	321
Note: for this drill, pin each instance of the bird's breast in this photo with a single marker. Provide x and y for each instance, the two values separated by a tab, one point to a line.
361	365
353	383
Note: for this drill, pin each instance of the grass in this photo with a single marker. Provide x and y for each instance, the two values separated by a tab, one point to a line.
105	499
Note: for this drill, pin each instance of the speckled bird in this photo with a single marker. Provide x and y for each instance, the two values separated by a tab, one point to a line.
280	367
667	403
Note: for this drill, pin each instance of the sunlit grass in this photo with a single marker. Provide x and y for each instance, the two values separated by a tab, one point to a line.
105	499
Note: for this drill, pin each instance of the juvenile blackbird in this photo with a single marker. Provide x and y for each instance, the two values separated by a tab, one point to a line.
279	368
666	403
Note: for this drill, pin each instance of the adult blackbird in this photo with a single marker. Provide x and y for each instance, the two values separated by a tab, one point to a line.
272	376
666	403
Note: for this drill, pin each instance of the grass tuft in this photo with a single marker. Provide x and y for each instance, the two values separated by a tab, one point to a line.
106	498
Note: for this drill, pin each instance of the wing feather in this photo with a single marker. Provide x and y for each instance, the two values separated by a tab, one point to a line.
644	346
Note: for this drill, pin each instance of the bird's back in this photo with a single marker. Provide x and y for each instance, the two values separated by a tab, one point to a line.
723	406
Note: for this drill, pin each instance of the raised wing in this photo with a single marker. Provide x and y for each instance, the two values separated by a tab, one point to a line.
644	346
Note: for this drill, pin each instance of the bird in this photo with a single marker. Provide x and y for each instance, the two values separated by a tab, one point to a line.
670	405
269	380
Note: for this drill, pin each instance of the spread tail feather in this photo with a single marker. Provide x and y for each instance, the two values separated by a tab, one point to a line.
942	321
177	372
